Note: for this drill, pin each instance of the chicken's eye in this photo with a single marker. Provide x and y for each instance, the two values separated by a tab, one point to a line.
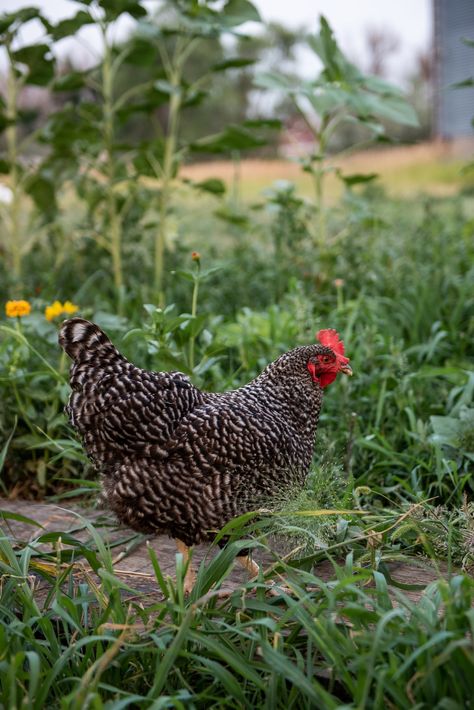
325	358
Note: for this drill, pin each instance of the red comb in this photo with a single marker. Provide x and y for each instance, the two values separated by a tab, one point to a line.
330	338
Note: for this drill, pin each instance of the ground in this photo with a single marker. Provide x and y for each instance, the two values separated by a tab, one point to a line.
132	561
434	168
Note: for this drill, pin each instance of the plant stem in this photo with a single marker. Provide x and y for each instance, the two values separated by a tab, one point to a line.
15	240
162	233
19	336
174	75
236	180
318	177
115	225
321	136
193	313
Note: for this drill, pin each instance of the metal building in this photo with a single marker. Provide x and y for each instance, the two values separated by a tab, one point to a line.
454	62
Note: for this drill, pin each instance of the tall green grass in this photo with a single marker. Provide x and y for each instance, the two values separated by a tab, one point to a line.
347	642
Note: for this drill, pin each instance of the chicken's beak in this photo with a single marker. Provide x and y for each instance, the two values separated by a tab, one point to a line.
346	369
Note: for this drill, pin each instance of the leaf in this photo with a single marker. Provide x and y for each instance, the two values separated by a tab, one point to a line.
165	87
377	128
463	84
218	671
140	52
378	85
114	8
186	275
358	178
336	67
446	430
194	98
7	515
40	66
232	138
307	687
233	217
326	98
150	99
41	189
168	361
6	446
272	123
150	153
272	80
72	81
393	108
323	512
212	185
71	25
236	12
71	131
232	63
21	17
4	121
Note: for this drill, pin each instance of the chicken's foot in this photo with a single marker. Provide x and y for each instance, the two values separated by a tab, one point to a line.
253	569
190	575
247	563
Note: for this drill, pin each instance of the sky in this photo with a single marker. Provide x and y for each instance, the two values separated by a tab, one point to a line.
409	20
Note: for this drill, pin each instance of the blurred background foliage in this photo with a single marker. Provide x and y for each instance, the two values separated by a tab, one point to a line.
143	192
101	207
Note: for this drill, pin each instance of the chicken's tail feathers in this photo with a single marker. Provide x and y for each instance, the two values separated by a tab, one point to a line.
81	339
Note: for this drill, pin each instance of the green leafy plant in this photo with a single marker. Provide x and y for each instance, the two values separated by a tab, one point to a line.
36	389
29	182
114	171
171	339
340	95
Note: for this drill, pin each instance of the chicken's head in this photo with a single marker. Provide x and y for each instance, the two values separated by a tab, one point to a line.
324	367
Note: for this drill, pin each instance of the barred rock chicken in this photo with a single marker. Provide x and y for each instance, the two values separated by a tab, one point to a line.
178	460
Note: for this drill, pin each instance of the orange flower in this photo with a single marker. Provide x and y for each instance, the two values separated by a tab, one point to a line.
195	256
338	283
53	311
70	308
58	309
17	309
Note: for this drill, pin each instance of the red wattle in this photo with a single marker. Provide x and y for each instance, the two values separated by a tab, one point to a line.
325	378
312	370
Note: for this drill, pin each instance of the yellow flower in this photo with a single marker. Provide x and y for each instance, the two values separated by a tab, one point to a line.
54	310
17	309
57	309
70	308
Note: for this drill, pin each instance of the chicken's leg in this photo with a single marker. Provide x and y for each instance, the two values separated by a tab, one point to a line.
253	569
190	576
247	562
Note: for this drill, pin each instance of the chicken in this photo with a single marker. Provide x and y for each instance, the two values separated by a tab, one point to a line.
179	460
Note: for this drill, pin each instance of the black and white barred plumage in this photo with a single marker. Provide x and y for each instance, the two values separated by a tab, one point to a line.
178	460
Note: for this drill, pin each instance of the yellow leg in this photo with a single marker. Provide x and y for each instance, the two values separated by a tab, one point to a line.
253	569
190	576
251	566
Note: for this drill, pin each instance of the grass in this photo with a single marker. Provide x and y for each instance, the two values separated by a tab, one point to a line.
347	641
395	443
